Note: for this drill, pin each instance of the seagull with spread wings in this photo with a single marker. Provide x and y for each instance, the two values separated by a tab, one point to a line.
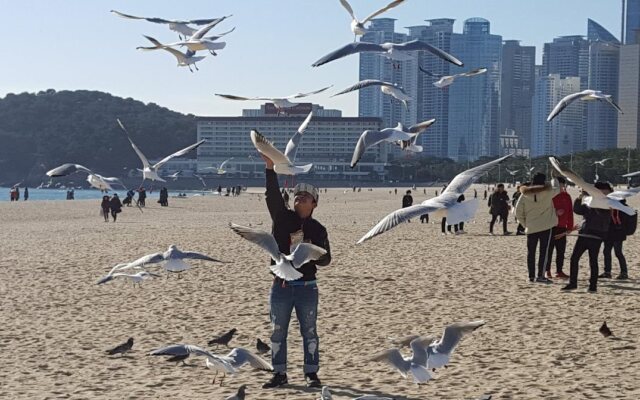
151	171
446	80
357	26
95	180
283	163
180	26
393	51
587	95
281	103
228	364
184	59
387	88
595	198
444	205
286	266
394	135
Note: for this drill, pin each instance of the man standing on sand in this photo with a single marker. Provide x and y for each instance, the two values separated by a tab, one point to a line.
290	227
407	201
499	207
535	212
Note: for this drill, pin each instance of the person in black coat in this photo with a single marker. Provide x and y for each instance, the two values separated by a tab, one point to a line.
613	241
105	206
407	201
116	206
499	205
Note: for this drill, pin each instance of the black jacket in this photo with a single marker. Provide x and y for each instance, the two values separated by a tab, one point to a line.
499	203
287	222
596	221
619	220
407	200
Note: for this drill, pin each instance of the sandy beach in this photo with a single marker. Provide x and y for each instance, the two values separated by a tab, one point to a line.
538	342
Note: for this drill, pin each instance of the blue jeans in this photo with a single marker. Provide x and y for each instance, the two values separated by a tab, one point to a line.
283	300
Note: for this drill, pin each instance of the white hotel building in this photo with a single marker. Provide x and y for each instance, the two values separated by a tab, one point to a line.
328	142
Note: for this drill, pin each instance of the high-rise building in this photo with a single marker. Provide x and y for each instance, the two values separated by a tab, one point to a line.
559	136
430	101
567	56
598	33
629	96
516	90
602	119
474	103
630	21
372	102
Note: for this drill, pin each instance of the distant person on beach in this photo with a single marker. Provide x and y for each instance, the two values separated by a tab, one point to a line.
424	218
596	225
105	207
233	191
407	201
475	194
12	194
129	198
26	194
220	190
499	205
485	195
289	228
164	197
564	210
395	191
72	194
142	197
535	212
116	206
17	193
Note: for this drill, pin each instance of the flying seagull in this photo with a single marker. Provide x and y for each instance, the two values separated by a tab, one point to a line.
588	95
291	150
184	59
444	205
175	175
286	266
446	80
180	26
281	103
197	41
393	51
415	365
95	180
121	348
439	351
357	27
225	364
390	89
512	173
282	164
601	162
220	169
201	179
370	138
151	171
595	198
410	145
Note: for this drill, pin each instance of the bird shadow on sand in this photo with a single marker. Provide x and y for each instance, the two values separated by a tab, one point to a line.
351	392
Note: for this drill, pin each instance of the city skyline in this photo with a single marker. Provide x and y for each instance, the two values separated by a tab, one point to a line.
95	50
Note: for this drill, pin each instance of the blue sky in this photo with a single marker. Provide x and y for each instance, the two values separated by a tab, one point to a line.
75	44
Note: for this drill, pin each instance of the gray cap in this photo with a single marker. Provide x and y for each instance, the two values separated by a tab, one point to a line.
308	188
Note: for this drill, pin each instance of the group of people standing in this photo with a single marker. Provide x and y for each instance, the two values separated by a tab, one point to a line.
546	213
111	205
14	194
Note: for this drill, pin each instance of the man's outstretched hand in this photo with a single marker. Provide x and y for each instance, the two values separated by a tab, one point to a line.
267	161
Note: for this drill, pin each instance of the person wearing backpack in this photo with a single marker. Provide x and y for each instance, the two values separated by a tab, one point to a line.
615	236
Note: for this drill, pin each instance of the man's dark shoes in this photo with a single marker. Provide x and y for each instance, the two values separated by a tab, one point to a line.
570	287
592	290
622	277
277	380
605	275
312	380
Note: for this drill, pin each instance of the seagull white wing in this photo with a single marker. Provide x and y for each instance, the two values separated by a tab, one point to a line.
613	104
292	146
68	169
219	35
394	358
261	238
199	34
178	153
563	103
148	259
234	97
225	163
399	216
372	137
348	49
240	356
267	148
465	179
182	350
363	84
191	255
632	174
431	74
575	178
419	45
145	162
305	252
421	126
473	72
383	9
453	334
347	7
299	95
623	194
